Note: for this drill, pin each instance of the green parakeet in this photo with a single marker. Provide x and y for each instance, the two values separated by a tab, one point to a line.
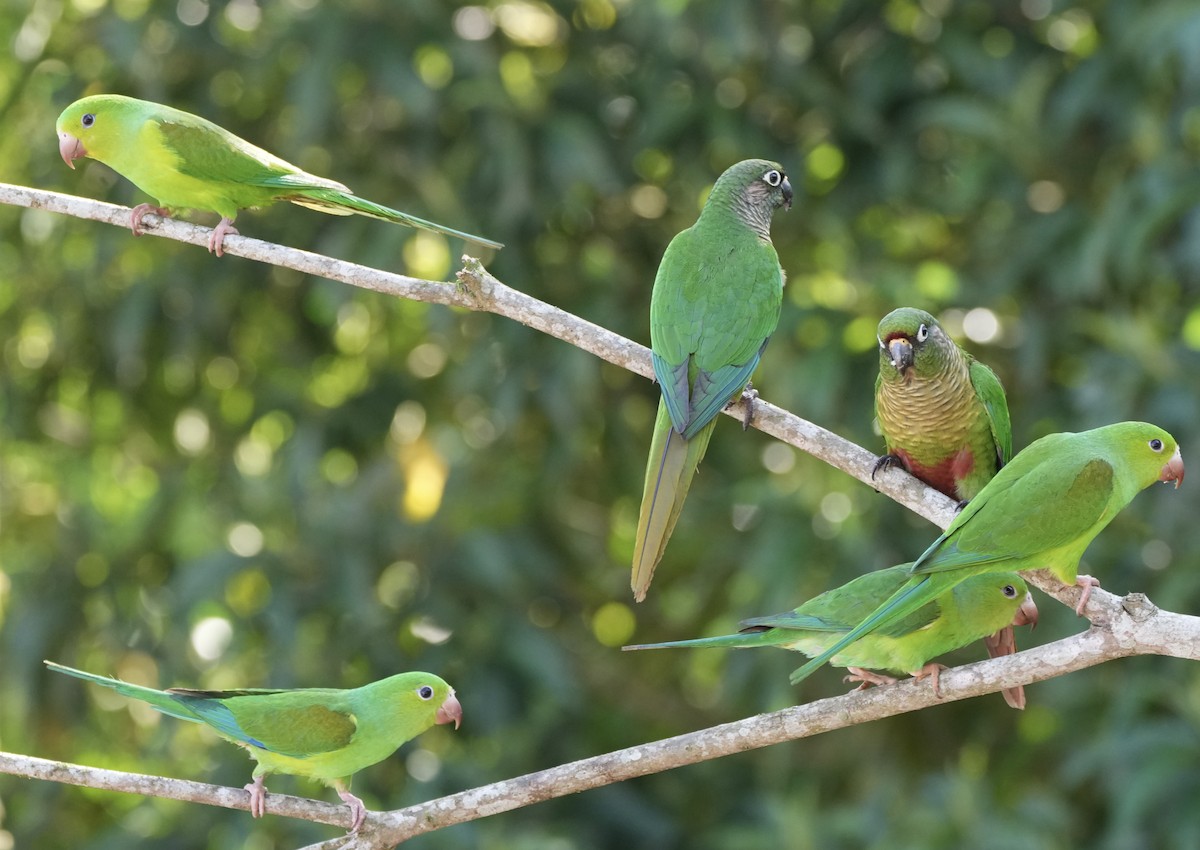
975	608
326	734
943	414
1040	511
185	161
715	303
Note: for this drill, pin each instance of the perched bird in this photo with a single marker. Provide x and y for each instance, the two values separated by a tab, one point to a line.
973	609
716	302
943	414
185	161
1040	511
326	734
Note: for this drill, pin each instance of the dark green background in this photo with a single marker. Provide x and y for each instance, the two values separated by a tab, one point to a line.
186	438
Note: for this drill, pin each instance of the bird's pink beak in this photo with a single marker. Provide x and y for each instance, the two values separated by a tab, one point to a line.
1027	613
1173	471
70	148
450	711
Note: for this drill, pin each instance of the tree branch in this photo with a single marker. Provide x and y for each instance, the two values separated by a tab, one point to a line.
1134	626
1125	626
1120	627
478	290
170	789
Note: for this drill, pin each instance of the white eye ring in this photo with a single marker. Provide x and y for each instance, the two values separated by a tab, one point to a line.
772	178
922	333
1156	445
425	692
1010	591
88	120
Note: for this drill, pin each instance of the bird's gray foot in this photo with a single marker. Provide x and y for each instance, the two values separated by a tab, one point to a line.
886	462
749	394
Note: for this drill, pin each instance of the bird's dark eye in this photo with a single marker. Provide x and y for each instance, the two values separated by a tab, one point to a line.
88	120
1010	591
1156	445
425	692
772	178
922	333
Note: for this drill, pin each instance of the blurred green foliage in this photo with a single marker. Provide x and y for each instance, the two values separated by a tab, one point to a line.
217	473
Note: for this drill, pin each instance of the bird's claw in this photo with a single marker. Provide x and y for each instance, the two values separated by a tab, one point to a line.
1085	584
216	240
749	394
866	678
358	812
885	462
258	797
933	670
135	217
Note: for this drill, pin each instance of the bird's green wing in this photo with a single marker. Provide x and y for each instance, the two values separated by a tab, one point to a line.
991	393
1038	512
205	151
289	723
708	334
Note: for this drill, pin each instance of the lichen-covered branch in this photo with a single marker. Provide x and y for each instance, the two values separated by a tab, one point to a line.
478	290
170	789
1122	627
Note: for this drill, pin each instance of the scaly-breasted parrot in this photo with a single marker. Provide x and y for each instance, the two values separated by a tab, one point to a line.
185	161
943	414
326	734
973	609
1040	511
716	302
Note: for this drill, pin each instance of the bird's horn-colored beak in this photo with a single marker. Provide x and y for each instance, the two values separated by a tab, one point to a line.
1173	471
70	148
900	351
1027	613
450	711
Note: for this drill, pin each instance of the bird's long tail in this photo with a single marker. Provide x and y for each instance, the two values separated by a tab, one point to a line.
757	637
911	596
157	699
343	203
669	470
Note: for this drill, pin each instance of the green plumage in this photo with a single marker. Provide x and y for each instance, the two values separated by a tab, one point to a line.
323	733
186	162
973	609
1040	511
943	414
716	302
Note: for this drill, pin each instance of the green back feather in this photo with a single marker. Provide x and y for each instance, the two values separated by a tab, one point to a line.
1041	510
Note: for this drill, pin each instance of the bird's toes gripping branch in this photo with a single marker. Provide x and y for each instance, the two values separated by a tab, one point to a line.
749	394
866	678
886	462
358	812
1085	584
258	797
216	241
934	671
135	218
